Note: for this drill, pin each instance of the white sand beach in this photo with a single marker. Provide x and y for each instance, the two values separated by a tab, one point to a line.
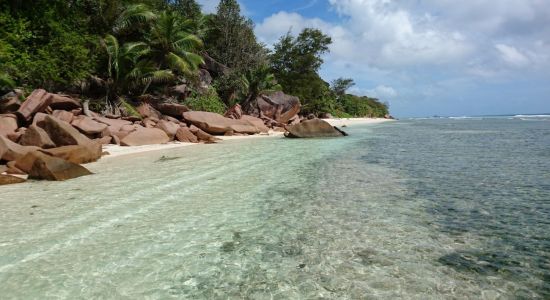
117	151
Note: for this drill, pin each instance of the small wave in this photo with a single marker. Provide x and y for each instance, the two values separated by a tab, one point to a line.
532	116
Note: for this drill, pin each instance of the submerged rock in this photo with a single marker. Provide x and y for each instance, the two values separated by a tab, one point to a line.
313	129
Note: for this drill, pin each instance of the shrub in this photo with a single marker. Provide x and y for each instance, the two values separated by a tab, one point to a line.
208	101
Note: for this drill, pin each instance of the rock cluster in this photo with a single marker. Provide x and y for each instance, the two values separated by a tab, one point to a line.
47	136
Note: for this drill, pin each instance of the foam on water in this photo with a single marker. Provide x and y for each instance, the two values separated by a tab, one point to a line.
409	209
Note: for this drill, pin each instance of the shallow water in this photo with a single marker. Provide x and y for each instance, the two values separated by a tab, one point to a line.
412	209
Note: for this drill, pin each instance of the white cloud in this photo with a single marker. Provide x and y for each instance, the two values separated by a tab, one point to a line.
275	26
512	56
381	92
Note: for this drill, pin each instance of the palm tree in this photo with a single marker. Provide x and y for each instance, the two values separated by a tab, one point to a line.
129	69
133	15
173	45
260	81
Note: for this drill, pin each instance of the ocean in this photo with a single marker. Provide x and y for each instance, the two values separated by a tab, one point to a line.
425	209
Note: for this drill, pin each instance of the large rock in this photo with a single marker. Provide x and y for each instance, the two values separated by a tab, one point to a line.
145	136
172	109
7	179
313	129
235	112
42	166
278	106
203	136
147	111
10	151
87	125
78	154
217	124
168	127
257	122
62	133
185	135
64	102
10	102
37	102
114	124
8	124
36	136
63	115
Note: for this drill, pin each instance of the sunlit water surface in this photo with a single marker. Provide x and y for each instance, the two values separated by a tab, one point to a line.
411	209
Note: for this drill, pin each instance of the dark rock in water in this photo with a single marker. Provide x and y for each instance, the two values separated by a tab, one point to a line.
42	166
167	158
313	129
7	179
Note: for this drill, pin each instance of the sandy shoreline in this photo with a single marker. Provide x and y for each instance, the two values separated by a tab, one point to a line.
117	151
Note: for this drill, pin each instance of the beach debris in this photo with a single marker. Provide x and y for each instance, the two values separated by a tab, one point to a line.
313	129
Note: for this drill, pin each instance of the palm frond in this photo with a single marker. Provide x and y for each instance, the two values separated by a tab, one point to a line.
130	109
133	14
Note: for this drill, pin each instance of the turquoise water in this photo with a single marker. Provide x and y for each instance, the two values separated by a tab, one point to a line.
412	209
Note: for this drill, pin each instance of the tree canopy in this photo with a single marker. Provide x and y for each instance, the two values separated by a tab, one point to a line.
127	48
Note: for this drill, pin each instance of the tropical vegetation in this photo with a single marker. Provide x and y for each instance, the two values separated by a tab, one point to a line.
113	52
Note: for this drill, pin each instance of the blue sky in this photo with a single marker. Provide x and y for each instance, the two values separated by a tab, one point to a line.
426	57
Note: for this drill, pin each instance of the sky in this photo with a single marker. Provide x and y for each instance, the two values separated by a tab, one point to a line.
426	57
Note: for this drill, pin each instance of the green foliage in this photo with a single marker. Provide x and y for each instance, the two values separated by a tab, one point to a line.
296	61
45	44
188	9
208	101
341	85
129	108
363	106
260	81
172	44
230	39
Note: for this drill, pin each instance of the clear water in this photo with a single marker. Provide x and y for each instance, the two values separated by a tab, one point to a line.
418	209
